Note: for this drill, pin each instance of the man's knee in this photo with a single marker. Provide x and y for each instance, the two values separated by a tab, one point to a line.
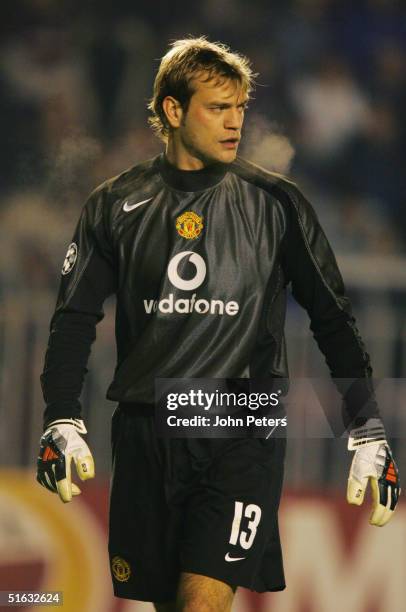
198	593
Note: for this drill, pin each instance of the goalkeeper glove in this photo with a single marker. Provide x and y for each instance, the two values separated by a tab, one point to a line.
59	444
373	462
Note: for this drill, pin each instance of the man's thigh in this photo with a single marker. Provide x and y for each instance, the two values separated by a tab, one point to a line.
200	593
196	592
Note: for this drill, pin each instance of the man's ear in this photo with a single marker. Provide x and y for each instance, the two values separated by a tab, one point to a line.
173	111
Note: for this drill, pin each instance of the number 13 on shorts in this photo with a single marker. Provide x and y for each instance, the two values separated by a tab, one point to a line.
238	536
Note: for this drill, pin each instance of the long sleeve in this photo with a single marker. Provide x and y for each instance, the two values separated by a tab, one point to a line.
87	280
317	285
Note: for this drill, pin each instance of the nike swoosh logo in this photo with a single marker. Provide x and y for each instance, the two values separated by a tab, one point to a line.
128	207
228	558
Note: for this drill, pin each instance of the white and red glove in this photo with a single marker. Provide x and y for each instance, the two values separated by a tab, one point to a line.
373	462
60	444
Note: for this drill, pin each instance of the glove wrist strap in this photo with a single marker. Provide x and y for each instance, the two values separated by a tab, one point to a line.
78	424
372	432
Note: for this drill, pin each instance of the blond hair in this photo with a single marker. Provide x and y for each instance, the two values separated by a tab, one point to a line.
185	60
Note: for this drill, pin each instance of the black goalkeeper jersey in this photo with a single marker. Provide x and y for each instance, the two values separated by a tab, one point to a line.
199	262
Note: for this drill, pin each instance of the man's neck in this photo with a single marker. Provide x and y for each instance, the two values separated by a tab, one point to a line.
182	159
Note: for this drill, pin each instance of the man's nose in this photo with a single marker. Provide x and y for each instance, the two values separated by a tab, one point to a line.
233	119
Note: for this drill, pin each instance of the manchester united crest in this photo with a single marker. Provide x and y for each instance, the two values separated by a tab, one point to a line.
121	569
189	225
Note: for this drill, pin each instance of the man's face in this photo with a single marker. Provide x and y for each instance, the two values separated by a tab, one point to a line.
210	129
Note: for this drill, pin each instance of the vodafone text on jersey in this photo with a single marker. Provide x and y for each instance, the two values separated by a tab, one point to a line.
169	304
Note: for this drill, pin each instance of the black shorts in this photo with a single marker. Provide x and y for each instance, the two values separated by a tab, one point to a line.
205	506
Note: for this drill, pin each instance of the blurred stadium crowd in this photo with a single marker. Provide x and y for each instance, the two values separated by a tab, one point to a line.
75	78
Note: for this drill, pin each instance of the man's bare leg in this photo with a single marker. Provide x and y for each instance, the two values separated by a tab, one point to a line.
198	593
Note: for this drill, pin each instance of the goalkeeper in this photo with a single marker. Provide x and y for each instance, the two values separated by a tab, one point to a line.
199	246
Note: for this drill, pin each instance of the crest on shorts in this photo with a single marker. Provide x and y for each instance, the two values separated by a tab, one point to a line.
189	225
121	569
70	258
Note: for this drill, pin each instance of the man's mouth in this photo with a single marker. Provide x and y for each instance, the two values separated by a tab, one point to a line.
230	143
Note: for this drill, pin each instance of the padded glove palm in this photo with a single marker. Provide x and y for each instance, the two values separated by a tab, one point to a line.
60	444
373	462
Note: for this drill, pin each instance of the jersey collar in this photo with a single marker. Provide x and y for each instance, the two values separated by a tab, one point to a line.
191	180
